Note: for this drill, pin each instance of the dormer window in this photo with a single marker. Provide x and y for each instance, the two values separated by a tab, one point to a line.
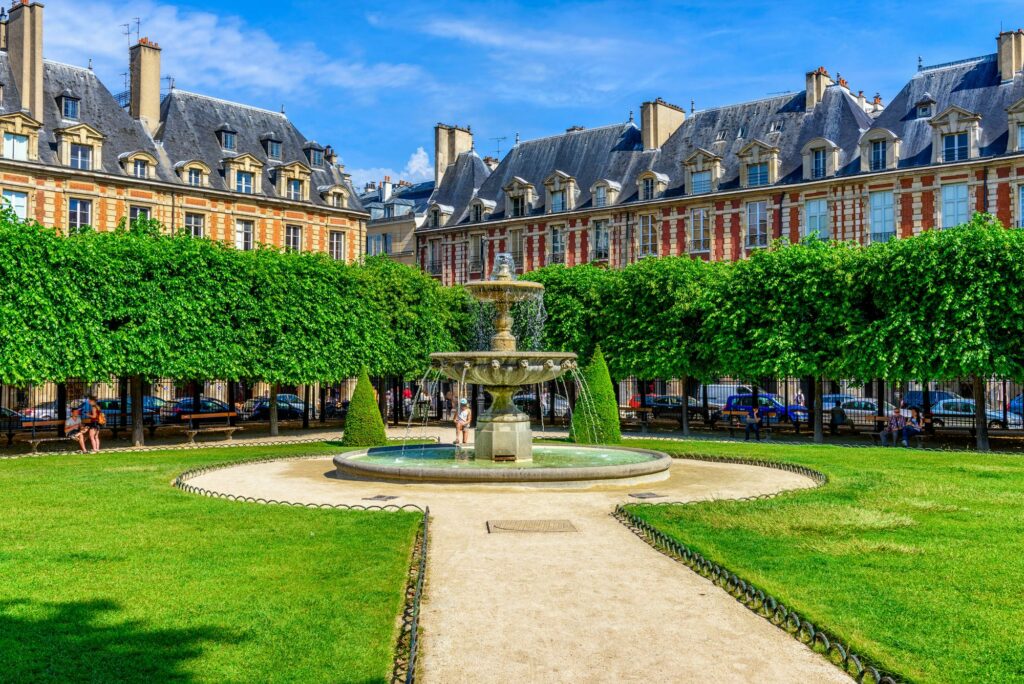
879	150
435	218
20	136
140	168
701	172
139	163
272	146
924	111
193	172
80	147
519	197
651	185
518	206
295	189
561	192
558	200
334	195
69	106
477	213
757	174
244	182
81	157
195	177
700	182
647	189
739	133
600	196
227	140
605	193
314	154
776	127
759	164
292	180
954	147
818	163
878	154
720	136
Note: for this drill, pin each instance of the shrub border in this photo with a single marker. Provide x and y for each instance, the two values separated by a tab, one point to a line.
403	667
750	595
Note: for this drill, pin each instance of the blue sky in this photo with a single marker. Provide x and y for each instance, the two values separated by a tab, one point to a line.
372	79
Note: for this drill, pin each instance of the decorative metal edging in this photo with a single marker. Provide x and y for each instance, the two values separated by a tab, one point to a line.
407	647
754	598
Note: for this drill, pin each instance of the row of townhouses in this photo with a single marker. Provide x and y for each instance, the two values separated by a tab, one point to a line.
719	183
76	154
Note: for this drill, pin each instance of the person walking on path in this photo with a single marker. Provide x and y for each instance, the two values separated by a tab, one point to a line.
894	428
462	421
93	422
753	425
73	428
913	427
799	398
837	418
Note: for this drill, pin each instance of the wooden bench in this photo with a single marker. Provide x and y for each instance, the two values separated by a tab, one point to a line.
643	415
919	439
195	428
734	417
45	426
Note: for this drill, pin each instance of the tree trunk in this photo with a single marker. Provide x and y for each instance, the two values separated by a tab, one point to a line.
818	414
273	409
686	407
138	428
980	418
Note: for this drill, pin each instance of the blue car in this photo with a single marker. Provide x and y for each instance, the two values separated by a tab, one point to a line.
768	402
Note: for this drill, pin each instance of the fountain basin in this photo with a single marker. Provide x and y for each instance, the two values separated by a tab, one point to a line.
503	368
550	464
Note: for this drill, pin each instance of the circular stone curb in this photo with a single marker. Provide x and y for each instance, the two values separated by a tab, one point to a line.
346	465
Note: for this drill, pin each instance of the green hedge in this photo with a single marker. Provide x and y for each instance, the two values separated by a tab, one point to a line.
596	417
364	426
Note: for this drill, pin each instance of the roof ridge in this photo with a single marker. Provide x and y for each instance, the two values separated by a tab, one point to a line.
229	102
957	62
69	66
777	96
585	130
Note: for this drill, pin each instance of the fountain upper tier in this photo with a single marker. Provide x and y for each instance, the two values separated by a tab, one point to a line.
503	368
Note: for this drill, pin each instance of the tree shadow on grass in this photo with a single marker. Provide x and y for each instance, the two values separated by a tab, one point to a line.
85	641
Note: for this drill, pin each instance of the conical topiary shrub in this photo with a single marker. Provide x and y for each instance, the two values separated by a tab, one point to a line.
595	420
363	423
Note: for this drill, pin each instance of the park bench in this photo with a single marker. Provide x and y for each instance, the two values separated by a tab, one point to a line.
735	418
919	439
641	416
196	425
36	427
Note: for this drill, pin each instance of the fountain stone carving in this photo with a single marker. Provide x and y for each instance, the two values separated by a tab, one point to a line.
503	432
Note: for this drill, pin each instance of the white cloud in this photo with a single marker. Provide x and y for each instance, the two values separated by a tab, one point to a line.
209	52
419	168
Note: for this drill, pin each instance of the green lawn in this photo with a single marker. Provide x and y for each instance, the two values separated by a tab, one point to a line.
916	559
107	573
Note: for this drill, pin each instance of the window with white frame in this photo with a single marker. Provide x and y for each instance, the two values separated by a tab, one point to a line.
757	174
518	206
195	224
648	236
515	246
601	241
336	245
195	177
140	168
227	140
954	147
273	149
955	209
878	152
601	196
557	245
69	107
244	181
293	238
295	189
647	189
816	218
136	213
883	215
478	213
757	224
701	182
16	146
557	200
818	163
316	157
243	234
81	157
700	231
378	244
79	213
18	202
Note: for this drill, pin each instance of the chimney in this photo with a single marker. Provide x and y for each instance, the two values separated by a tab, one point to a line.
817	81
144	66
449	143
491	162
25	52
1010	47
658	121
862	101
385	189
330	155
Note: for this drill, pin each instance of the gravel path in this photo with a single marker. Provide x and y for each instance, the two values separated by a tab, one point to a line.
594	605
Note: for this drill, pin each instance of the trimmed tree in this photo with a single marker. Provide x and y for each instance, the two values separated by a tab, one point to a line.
596	418
363	423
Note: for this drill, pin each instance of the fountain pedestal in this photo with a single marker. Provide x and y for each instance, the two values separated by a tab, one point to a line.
503	433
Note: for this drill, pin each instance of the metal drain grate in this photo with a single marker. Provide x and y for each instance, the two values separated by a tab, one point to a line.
647	495
379	497
496	526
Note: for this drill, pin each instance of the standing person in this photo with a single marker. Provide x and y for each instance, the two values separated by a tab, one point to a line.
753	425
73	428
93	422
448	404
914	426
462	420
837	418
407	401
894	428
799	399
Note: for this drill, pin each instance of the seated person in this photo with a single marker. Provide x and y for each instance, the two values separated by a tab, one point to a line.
894	428
914	426
837	418
73	428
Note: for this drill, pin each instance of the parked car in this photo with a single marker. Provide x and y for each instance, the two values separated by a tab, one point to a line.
9	419
959	413
336	409
1017	404
829	400
285	410
670	405
767	402
47	410
718	395
860	412
112	410
915	398
525	401
186	406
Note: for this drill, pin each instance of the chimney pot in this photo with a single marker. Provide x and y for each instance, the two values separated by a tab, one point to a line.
658	121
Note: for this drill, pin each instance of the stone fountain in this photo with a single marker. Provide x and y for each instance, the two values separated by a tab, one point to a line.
503	432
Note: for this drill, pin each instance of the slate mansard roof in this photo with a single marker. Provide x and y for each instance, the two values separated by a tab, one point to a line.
412	199
615	153
188	131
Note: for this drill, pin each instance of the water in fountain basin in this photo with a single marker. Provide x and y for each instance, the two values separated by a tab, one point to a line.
544	456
